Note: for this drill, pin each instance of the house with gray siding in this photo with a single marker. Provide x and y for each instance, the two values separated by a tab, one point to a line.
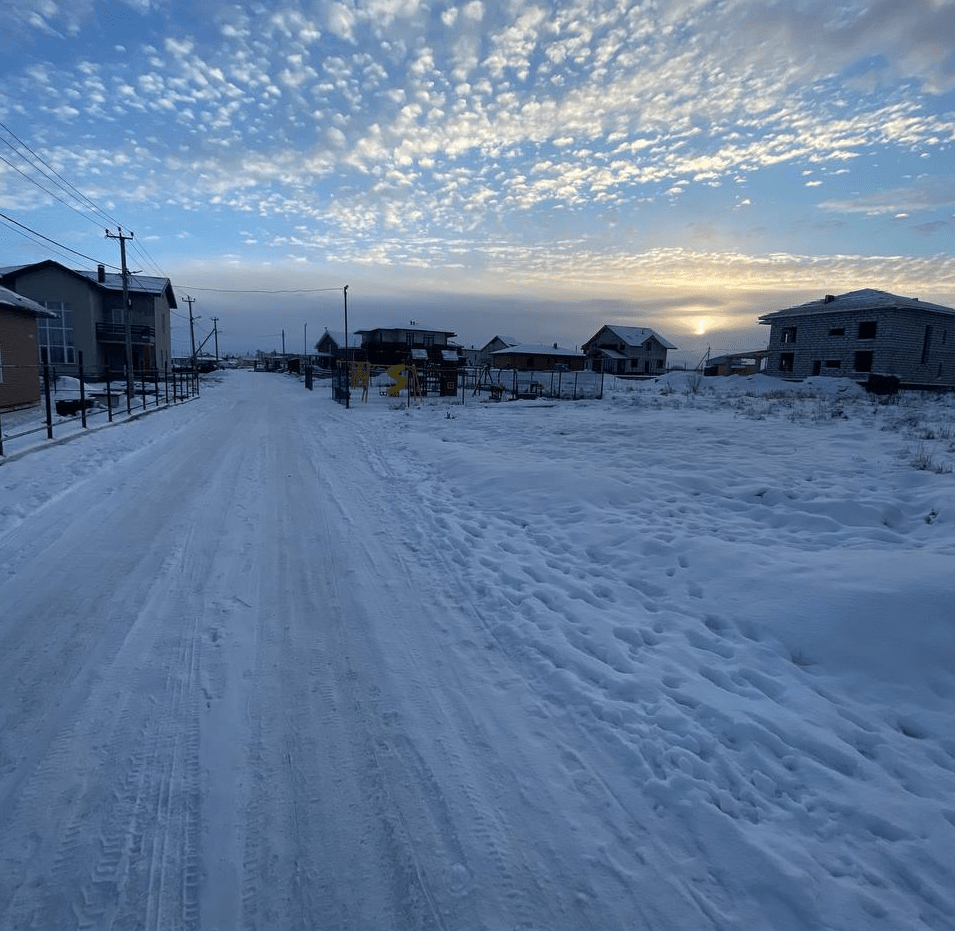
627	350
861	333
88	317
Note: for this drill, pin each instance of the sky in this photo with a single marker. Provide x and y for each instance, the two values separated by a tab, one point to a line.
533	170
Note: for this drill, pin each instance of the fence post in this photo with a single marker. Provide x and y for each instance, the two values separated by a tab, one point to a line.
142	382
79	369
165	379
1	437
46	392
109	395
156	384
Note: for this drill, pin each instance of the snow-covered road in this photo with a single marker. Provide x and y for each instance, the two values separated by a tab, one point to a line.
225	706
263	667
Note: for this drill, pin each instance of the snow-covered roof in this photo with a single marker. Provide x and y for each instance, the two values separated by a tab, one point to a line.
506	340
530	349
449	355
16	301
338	337
638	335
111	281
864	299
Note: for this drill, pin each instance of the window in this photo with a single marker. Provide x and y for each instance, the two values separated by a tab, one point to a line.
56	335
786	361
833	363
867	331
863	362
660	364
926	343
837	331
788	335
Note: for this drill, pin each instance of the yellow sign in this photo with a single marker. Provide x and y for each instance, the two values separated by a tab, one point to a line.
397	373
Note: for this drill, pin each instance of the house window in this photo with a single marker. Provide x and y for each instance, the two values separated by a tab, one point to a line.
660	364
429	339
867	331
530	362
55	335
926	343
837	331
788	335
863	362
786	361
634	364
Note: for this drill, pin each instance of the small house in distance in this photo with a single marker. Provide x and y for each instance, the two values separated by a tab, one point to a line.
412	343
530	357
19	365
627	350
330	347
495	344
861	333
736	363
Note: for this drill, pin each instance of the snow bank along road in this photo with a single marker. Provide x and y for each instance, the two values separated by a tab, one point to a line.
276	665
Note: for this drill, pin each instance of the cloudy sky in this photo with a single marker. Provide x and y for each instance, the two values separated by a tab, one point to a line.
487	167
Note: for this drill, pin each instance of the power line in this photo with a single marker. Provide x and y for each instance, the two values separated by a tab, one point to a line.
59	245
259	291
57	178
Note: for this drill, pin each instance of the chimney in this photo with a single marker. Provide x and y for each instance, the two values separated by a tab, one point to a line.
101	273
830	298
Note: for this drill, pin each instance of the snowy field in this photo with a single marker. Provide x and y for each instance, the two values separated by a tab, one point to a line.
682	658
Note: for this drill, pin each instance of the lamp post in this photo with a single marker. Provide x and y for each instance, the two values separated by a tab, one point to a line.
347	369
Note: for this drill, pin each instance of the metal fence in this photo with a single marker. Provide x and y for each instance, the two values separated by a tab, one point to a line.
92	394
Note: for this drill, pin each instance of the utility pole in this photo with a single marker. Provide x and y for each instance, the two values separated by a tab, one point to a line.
122	237
192	333
347	366
215	330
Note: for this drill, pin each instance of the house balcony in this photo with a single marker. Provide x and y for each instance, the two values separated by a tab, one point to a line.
116	333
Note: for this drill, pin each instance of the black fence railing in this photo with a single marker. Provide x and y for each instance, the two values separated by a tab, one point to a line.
106	393
116	333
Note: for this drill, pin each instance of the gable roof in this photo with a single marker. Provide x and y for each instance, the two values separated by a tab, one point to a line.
634	335
338	338
112	281
506	340
10	300
864	299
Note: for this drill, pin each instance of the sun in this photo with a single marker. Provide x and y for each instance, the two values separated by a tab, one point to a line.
702	325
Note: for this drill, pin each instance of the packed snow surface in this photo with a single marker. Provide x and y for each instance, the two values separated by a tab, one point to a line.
680	658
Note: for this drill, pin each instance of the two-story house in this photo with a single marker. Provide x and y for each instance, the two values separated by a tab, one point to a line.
627	350
89	318
868	331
